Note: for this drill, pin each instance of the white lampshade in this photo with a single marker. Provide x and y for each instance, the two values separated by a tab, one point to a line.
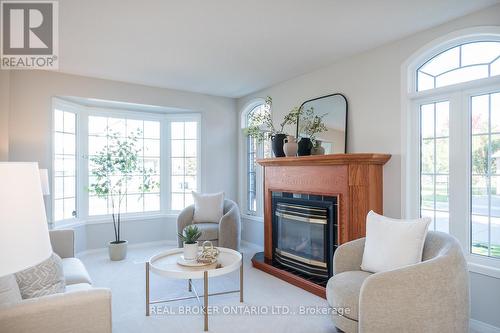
44	178
24	235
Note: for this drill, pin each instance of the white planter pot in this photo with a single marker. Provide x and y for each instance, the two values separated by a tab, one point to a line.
190	251
117	251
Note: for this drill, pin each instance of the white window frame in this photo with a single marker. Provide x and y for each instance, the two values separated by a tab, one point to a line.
82	113
459	176
181	118
69	107
259	214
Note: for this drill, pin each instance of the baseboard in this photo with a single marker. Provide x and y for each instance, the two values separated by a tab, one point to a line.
482	327
130	246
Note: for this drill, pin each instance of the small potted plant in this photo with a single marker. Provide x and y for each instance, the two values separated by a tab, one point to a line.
189	238
261	127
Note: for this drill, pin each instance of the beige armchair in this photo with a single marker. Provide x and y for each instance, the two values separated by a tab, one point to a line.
226	233
431	296
80	308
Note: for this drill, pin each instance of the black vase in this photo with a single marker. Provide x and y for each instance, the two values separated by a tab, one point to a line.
278	141
305	146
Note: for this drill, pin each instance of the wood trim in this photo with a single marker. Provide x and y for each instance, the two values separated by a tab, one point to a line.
332	159
262	264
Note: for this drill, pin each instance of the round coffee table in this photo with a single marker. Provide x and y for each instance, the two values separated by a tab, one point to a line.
165	264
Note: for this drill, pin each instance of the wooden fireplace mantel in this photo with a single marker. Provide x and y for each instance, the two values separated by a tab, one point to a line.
355	179
332	159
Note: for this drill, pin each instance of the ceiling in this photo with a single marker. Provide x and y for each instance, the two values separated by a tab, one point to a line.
232	48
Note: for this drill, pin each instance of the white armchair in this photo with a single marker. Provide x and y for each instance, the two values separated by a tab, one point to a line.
226	233
431	296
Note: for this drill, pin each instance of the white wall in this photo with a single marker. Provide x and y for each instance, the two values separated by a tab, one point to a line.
372	84
30	134
4	114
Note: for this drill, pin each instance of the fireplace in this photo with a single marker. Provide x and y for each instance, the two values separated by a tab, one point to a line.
304	234
311	205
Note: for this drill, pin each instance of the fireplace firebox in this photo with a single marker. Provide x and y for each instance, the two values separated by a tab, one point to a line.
304	234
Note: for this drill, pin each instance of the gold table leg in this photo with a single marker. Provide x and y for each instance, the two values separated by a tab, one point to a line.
241	282
147	288
205	299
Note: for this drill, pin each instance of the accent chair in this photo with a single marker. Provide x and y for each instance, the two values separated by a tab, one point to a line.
431	296
226	233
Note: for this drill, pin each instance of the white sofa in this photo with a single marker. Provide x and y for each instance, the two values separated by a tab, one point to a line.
81	308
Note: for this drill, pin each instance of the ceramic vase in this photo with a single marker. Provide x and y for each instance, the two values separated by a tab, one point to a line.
278	141
305	146
290	146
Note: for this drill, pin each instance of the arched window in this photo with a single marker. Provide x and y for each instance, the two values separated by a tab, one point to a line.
452	173
462	63
254	150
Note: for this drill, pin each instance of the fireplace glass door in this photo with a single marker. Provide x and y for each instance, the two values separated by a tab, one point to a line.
302	236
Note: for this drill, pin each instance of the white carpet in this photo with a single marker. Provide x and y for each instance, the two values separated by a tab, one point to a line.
263	293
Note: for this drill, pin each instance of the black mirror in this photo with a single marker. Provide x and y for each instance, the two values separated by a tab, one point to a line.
334	109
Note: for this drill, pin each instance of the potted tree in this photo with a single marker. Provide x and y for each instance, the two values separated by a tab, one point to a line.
111	169
189	237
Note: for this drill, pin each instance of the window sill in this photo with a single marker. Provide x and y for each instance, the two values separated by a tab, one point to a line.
108	219
484	266
253	218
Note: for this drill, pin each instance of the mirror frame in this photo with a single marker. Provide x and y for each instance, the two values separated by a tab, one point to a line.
346	114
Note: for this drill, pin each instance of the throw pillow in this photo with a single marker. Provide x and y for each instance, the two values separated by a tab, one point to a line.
9	290
208	207
46	278
392	243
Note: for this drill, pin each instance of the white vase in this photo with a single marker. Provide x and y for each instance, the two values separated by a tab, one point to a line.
290	146
190	251
117	251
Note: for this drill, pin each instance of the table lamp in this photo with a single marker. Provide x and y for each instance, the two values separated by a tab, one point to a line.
44	179
24	237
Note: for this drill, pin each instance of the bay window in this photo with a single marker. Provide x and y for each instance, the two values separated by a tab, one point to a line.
64	165
168	148
148	133
184	162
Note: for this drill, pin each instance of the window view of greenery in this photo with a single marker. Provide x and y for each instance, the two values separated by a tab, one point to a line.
255	150
184	148
485	180
434	179
252	154
64	165
105	134
251	174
